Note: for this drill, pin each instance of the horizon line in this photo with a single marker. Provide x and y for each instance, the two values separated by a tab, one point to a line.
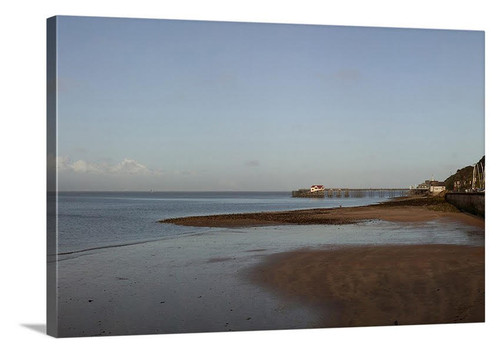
153	191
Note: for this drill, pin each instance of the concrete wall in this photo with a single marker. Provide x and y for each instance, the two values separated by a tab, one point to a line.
467	201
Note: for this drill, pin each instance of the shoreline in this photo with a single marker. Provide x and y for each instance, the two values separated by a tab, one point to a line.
372	285
298	277
404	209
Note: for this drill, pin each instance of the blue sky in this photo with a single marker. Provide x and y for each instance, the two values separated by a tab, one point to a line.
186	105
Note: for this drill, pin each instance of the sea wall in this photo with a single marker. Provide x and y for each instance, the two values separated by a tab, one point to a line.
467	201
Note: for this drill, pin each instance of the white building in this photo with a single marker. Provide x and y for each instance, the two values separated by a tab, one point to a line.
315	188
436	187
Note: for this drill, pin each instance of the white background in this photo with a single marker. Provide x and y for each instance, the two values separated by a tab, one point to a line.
23	172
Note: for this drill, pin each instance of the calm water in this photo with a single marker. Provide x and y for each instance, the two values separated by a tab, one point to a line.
195	280
94	219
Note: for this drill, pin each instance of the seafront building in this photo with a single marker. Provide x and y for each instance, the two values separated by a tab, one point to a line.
315	188
436	187
429	186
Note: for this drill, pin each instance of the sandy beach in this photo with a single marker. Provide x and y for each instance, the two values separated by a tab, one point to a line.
373	285
411	264
383	285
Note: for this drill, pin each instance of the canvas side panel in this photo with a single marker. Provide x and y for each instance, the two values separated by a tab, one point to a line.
52	176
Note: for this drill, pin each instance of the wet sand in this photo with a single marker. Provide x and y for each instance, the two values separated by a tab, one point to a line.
373	285
401	210
265	278
382	285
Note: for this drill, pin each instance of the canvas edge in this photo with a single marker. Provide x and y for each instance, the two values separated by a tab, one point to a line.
51	201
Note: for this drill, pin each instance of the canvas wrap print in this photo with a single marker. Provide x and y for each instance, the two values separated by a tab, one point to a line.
216	176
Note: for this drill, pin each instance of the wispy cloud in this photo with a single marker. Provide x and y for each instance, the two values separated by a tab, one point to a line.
347	75
125	167
252	163
344	75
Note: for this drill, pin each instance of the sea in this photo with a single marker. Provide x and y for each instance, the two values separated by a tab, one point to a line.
193	279
90	220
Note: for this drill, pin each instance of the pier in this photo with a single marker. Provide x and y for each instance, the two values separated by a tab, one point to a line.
347	192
